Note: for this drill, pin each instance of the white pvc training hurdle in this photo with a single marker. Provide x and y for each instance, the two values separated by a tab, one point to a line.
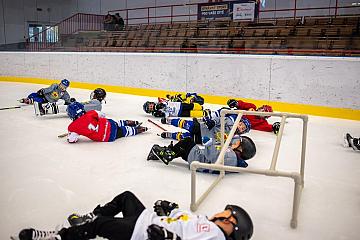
298	177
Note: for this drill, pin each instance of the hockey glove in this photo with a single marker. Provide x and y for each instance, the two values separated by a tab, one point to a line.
232	103
159	106
158	114
40	93
155	232
191	95
276	127
209	122
164	208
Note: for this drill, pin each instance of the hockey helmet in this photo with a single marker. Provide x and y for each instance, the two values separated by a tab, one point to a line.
248	148
232	103
65	83
243	229
265	108
247	124
147	107
75	110
99	94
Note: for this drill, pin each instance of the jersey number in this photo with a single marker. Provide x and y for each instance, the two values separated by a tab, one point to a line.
93	128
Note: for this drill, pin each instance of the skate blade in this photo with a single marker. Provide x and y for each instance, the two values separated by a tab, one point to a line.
346	142
152	156
14	238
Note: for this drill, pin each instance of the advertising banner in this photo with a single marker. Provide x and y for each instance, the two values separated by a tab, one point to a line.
244	11
209	11
234	10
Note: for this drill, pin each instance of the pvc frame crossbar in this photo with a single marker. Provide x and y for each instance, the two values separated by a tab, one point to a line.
298	177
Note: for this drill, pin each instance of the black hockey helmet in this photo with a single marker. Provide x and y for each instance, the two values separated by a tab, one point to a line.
99	94
146	107
248	148
244	228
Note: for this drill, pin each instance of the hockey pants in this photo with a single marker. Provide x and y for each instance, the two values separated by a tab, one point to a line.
193	126
183	147
106	225
37	98
191	110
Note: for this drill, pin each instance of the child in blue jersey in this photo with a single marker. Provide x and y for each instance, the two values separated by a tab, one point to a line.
210	127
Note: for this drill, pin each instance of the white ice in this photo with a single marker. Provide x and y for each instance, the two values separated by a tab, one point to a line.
43	178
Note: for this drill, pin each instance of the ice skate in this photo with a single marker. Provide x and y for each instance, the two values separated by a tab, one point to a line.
349	141
141	129
26	101
164	154
33	234
166	135
355	144
76	219
151	155
165	120
347	138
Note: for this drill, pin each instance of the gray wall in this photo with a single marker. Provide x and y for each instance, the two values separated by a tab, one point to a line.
15	15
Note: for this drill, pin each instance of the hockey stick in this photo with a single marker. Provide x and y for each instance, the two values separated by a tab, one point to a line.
149	120
6	108
62	135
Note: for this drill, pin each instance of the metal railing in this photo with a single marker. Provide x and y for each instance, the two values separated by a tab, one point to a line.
298	177
152	17
51	37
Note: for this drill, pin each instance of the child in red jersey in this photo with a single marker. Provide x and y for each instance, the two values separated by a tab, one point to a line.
94	125
257	122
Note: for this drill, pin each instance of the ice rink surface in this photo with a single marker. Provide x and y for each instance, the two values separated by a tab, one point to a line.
43	178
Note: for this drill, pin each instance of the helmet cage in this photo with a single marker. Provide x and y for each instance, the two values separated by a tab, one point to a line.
99	94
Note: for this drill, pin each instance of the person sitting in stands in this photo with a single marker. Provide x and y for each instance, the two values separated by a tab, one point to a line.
119	22
109	22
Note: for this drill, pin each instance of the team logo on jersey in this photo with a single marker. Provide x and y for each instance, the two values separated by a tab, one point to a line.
55	94
203	227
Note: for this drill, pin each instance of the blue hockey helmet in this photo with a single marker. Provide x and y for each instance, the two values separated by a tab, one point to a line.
246	126
75	110
65	83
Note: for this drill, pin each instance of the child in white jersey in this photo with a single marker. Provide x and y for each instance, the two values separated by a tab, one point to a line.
138	223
